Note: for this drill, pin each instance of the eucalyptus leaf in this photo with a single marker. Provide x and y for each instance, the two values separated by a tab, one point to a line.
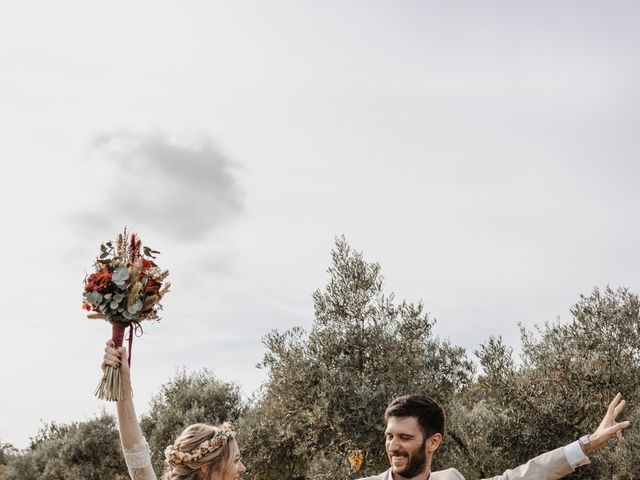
94	298
136	307
120	275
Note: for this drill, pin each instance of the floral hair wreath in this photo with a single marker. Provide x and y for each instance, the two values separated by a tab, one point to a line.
175	456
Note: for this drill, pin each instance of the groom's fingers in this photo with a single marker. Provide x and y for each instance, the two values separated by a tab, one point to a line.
611	409
617	429
614	403
619	408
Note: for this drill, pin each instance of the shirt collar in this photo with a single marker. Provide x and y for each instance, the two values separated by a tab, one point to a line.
390	476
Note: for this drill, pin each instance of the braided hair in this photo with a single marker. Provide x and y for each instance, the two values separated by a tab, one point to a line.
200	451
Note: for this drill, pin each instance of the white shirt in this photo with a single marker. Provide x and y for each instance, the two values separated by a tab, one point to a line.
390	477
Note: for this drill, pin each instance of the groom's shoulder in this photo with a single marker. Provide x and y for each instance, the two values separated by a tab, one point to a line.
448	474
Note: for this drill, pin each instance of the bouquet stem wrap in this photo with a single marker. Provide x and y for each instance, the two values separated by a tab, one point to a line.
111	386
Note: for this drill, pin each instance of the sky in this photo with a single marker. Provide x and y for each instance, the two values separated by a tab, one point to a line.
484	153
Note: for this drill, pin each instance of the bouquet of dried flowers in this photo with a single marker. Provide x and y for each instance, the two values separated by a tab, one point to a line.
125	289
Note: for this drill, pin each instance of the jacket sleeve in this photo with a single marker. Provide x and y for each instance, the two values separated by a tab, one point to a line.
548	466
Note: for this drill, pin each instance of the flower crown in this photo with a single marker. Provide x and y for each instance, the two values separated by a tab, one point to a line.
175	456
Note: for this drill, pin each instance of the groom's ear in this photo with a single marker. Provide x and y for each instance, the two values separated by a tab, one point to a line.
433	443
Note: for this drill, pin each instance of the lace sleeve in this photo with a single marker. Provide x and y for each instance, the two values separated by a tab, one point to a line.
138	461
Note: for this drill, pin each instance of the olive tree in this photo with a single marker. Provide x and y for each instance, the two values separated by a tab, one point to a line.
556	391
327	390
88	450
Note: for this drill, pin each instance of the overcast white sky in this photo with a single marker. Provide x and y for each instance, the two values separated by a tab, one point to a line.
485	153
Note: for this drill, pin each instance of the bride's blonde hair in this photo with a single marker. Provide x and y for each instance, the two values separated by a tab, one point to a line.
200	445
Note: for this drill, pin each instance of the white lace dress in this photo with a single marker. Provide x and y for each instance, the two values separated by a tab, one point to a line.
138	461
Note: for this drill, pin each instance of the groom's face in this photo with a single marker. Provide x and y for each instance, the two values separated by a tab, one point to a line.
406	447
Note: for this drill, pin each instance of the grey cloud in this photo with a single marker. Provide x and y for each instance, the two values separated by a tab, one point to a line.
183	191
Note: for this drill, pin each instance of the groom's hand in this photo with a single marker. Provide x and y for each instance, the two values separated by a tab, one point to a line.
609	428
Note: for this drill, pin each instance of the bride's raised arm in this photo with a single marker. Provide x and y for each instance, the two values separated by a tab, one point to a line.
134	445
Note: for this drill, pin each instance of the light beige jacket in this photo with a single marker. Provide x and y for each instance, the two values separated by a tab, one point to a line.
548	466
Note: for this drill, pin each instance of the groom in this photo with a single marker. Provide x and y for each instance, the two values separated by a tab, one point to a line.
415	429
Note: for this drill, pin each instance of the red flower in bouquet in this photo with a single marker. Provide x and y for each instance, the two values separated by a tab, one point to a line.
152	287
98	281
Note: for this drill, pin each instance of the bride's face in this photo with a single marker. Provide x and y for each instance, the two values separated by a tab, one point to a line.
234	466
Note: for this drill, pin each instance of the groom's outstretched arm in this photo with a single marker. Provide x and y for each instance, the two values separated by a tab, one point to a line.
562	461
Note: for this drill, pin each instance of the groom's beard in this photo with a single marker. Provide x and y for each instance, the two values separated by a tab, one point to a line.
417	463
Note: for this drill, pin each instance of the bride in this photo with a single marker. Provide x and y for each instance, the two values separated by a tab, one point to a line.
201	452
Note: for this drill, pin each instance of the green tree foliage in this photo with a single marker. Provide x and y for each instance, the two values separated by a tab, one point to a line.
88	450
7	453
327	390
559	390
189	397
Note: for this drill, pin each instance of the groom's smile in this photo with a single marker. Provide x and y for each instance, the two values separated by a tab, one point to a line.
398	460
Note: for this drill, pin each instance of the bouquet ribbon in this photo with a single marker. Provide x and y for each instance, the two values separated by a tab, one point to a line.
118	330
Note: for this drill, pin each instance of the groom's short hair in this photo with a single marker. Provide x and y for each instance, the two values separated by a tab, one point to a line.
430	415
